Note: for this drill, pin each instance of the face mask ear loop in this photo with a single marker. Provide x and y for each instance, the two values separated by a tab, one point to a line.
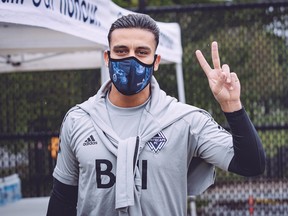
155	57
108	52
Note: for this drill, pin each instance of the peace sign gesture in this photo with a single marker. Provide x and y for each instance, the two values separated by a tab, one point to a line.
224	84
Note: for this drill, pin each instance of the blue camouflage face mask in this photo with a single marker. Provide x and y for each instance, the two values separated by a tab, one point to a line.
130	75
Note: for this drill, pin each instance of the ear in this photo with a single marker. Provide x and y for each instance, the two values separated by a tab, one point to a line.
106	58
157	62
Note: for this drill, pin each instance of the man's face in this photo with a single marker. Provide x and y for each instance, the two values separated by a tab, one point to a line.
133	42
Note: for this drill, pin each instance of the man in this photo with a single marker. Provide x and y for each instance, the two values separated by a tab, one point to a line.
133	150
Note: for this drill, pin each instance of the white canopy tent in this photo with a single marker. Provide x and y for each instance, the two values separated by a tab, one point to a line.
38	35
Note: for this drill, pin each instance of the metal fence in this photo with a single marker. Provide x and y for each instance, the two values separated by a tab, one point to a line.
252	40
31	111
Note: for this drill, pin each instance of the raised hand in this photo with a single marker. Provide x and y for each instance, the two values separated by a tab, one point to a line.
224	84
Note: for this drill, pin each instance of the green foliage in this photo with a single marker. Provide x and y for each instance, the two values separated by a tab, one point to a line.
37	102
252	42
126	3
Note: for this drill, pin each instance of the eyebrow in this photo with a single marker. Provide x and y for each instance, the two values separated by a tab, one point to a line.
119	47
125	47
144	47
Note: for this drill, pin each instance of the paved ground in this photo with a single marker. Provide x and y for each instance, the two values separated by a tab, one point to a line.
26	207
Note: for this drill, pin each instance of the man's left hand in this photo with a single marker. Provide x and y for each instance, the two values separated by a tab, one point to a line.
224	84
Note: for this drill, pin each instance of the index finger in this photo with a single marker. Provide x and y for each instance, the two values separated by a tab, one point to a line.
215	55
203	63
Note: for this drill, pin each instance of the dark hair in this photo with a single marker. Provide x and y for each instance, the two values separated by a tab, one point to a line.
141	21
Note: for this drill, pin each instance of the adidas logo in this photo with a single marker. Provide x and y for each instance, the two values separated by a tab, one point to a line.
90	141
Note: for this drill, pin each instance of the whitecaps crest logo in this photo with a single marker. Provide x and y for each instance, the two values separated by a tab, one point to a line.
157	142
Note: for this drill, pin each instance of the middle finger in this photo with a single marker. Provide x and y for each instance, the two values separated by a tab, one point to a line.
215	55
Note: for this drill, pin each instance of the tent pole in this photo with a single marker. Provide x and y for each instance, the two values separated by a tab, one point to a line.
180	82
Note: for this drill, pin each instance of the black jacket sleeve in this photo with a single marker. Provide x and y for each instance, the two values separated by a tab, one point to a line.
249	156
63	200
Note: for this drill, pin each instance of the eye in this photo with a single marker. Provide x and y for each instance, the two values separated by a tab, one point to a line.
121	52
142	52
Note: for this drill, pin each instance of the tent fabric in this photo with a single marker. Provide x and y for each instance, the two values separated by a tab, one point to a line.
87	20
41	35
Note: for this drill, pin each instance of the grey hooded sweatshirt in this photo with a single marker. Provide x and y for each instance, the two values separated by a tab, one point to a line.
172	156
